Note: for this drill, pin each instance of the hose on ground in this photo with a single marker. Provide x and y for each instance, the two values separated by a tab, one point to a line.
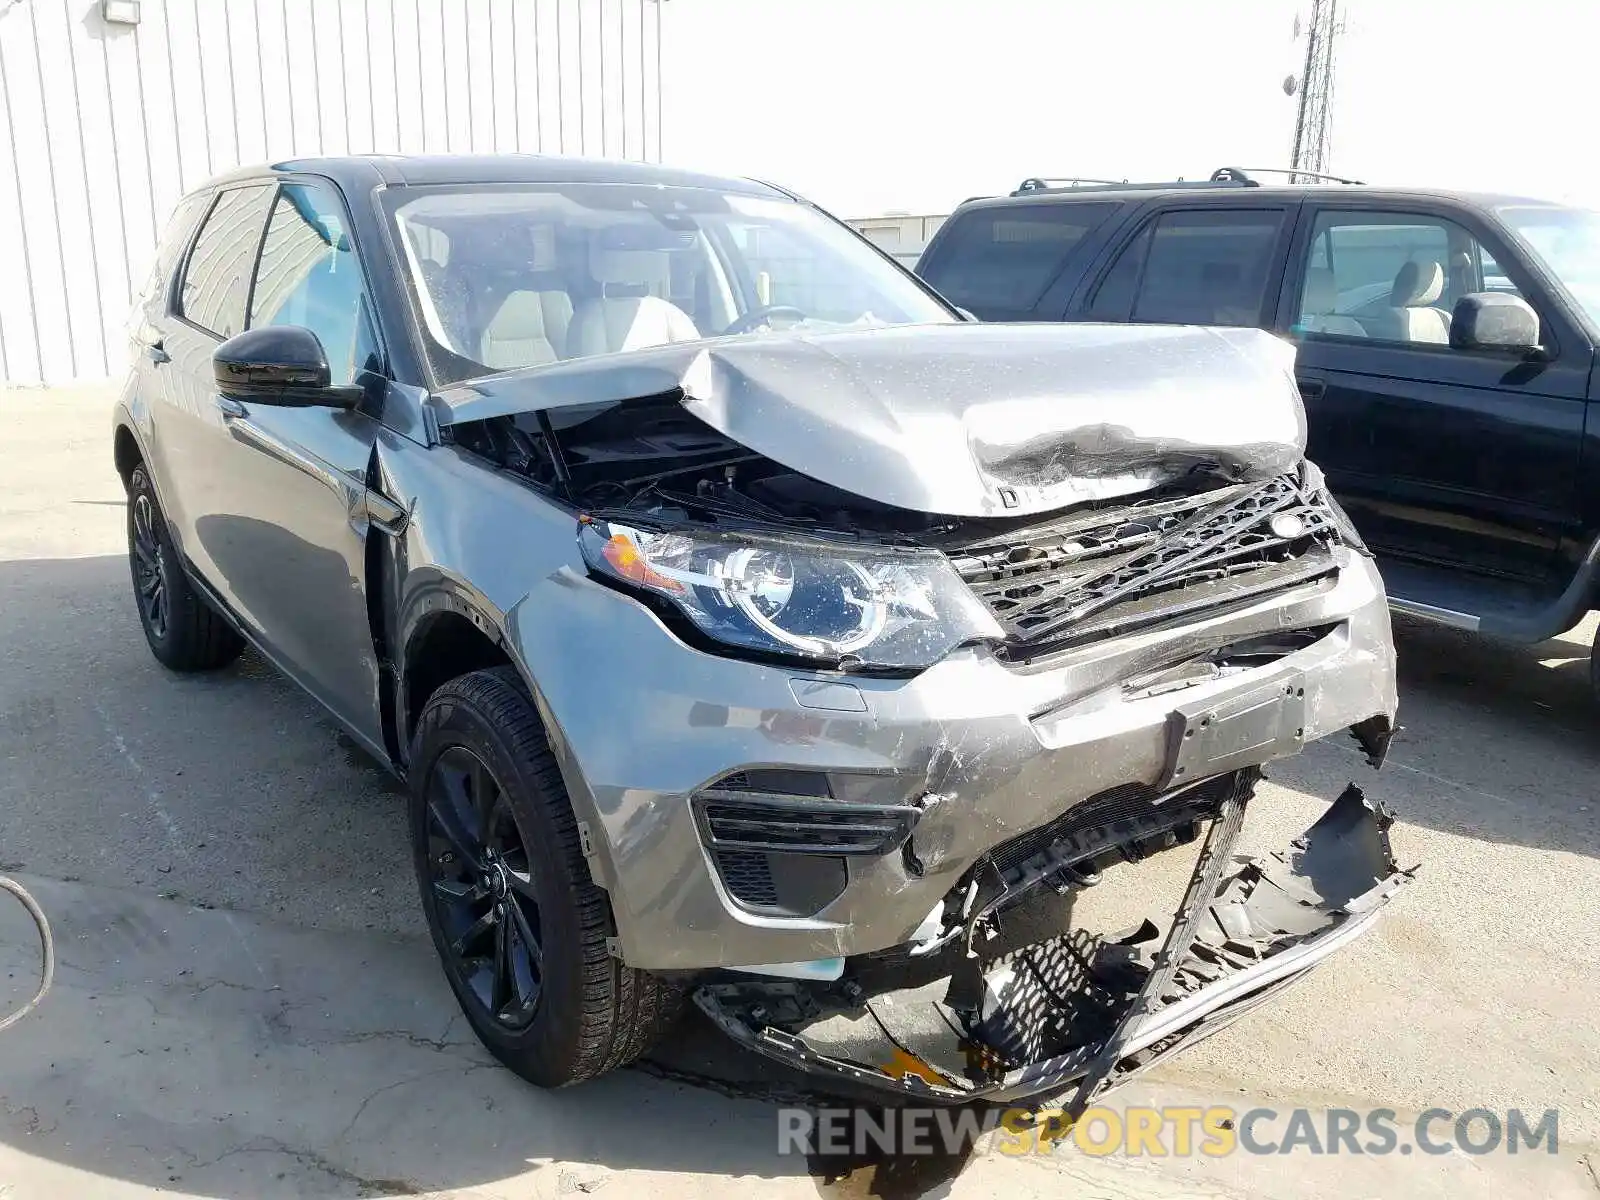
47	950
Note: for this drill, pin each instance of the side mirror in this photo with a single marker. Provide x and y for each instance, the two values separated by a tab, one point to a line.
1494	321
278	364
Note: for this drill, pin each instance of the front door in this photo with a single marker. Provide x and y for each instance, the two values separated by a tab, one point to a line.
1454	457
282	517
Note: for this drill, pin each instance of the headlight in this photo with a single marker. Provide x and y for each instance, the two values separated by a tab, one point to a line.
878	607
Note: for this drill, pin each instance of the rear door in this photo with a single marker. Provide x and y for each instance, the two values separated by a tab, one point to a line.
1455	457
208	306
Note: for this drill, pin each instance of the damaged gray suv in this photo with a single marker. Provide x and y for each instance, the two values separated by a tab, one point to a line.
751	629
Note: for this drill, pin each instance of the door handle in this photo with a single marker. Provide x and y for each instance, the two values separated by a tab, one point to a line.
1312	389
231	407
158	353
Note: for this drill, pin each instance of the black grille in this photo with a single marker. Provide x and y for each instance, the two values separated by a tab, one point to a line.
1190	550
761	821
748	877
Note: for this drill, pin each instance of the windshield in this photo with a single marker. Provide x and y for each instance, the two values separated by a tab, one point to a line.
1568	240
518	276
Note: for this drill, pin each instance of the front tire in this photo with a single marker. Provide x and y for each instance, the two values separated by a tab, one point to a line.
519	924
185	633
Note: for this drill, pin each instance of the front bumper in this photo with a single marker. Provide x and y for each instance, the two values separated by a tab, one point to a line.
1257	931
641	723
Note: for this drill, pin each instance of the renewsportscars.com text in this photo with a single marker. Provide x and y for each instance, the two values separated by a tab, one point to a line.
1171	1131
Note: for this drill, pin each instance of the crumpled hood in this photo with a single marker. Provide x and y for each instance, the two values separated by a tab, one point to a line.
959	419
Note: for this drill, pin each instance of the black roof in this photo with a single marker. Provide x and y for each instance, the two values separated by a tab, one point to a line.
354	172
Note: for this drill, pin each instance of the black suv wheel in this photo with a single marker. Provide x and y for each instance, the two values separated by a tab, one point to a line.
519	924
185	633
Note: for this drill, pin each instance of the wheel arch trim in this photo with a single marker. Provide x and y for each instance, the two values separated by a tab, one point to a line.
441	593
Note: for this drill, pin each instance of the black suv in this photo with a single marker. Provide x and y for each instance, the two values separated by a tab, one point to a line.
1447	354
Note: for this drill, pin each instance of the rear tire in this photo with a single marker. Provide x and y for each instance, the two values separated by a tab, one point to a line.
185	633
519	924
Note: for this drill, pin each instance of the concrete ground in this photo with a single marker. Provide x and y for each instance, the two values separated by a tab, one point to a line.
247	1005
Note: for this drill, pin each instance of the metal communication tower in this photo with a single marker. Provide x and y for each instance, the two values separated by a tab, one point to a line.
1313	123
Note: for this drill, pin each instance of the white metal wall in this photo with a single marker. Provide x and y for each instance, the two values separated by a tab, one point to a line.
105	125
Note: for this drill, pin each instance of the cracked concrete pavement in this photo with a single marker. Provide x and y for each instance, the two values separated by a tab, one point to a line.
246	1004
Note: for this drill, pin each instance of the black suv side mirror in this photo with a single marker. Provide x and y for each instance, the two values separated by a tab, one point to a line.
279	364
1494	321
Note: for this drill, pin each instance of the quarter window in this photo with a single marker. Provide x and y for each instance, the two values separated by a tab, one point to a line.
309	275
1393	277
999	261
217	276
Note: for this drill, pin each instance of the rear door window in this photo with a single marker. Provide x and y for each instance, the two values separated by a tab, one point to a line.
216	279
999	261
1208	267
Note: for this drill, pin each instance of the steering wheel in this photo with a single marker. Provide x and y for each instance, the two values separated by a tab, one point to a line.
757	317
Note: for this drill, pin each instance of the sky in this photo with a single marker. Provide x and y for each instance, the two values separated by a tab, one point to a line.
872	106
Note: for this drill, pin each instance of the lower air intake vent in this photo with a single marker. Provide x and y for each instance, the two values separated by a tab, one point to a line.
782	843
762	821
748	878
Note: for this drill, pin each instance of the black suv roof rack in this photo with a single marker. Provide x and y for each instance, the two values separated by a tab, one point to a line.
1221	177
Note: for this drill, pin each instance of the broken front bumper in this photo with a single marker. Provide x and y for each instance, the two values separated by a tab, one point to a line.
660	745
1234	941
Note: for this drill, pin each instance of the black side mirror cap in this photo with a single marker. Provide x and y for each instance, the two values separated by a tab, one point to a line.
1494	321
278	364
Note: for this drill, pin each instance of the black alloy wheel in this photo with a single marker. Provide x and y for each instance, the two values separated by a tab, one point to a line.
184	632
524	934
483	888
149	564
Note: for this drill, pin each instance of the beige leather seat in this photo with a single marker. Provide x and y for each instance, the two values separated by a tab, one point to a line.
527	329
1411	316
1320	298
625	316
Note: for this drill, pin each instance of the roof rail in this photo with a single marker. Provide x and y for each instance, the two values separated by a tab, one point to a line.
1037	184
1221	177
1293	173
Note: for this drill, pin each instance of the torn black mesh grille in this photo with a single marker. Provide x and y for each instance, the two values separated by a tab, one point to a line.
1041	582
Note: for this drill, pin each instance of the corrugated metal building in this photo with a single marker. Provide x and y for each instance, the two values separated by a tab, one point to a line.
107	122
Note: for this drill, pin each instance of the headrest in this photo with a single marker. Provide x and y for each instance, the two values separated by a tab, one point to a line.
1417	284
521	316
1321	294
608	265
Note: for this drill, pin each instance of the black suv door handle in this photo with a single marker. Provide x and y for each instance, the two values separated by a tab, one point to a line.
1312	389
157	353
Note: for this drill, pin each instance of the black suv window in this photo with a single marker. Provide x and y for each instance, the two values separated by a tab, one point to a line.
217	276
1201	267
309	275
999	261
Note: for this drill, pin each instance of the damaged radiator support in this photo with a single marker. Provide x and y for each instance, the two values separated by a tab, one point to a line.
1203	885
